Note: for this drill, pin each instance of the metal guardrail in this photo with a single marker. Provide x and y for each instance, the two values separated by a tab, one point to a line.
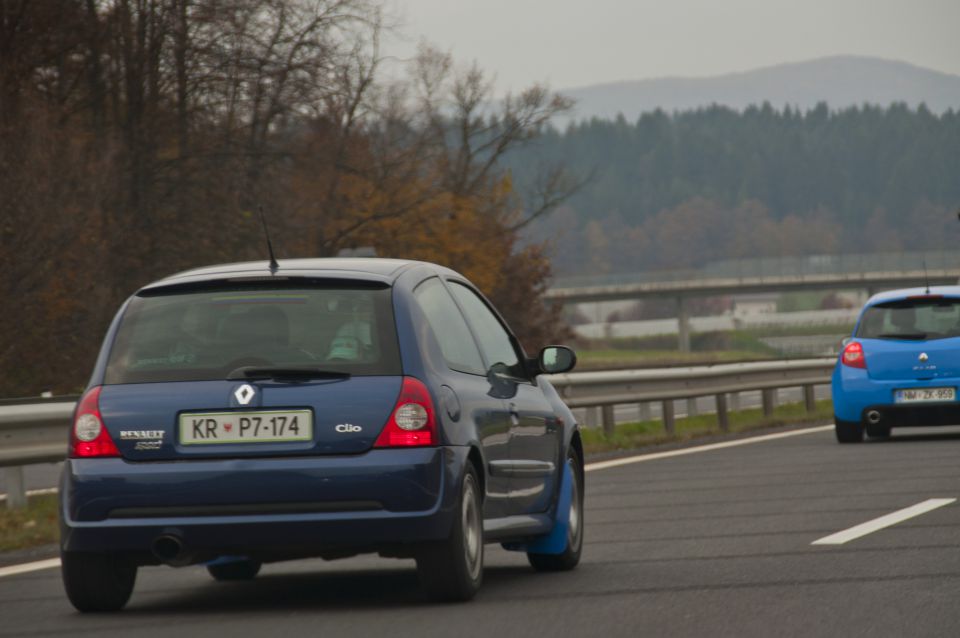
608	389
35	431
31	431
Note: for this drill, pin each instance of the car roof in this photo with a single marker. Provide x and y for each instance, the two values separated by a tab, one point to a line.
376	269
903	293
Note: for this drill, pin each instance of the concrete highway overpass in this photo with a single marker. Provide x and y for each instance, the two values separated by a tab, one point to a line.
705	286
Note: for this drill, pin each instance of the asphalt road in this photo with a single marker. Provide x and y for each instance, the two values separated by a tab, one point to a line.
713	543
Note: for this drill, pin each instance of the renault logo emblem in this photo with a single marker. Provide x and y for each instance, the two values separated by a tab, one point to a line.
244	394
923	356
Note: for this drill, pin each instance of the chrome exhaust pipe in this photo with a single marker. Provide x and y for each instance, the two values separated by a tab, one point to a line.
873	417
169	549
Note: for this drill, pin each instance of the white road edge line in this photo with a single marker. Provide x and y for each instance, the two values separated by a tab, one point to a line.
41	492
884	521
590	467
25	568
605	465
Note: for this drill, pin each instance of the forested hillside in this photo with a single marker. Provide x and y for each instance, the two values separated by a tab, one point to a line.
841	81
673	191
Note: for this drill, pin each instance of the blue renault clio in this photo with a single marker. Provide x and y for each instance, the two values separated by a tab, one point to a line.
247	413
901	367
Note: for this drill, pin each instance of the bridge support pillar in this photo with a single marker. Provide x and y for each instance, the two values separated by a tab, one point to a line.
683	325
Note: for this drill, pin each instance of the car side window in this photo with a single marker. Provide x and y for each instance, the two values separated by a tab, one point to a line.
493	337
457	344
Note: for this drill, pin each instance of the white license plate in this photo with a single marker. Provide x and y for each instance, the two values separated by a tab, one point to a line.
246	427
922	395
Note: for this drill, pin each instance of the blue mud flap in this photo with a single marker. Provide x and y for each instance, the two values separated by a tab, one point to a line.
556	541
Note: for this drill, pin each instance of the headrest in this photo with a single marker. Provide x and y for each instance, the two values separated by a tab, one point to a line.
264	324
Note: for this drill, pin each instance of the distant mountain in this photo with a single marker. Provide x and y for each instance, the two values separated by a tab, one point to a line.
839	81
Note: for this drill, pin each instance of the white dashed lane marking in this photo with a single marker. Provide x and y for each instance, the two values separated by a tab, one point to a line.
858	531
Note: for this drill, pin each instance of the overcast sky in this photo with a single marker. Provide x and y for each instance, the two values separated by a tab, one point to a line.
571	43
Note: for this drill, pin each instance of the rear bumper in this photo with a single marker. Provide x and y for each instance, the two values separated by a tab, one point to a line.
265	507
855	395
899	416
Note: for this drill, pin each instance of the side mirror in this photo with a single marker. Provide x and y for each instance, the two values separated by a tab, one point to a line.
556	359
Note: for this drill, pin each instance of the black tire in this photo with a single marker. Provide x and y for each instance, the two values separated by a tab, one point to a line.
97	582
571	556
848	431
452	570
878	431
237	570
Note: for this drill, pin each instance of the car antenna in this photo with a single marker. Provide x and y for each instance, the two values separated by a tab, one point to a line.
926	277
274	266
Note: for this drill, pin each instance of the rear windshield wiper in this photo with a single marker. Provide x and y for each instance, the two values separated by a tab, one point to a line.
284	373
912	336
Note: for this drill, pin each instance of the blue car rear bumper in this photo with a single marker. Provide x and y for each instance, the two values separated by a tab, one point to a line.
266	507
855	393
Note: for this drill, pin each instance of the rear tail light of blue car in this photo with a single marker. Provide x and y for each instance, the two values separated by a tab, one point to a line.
853	357
89	437
413	421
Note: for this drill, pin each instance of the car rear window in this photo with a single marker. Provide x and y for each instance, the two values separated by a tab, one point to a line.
206	334
912	319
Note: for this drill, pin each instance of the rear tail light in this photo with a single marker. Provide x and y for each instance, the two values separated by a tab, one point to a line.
413	420
852	356
89	437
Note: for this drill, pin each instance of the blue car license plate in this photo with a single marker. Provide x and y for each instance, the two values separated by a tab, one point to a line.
925	395
246	427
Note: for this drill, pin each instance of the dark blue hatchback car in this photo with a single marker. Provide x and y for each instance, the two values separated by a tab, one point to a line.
240	414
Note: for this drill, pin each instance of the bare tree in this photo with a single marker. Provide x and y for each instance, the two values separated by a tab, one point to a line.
137	137
477	131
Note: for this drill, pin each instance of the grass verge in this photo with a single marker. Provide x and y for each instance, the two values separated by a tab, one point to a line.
34	525
611	358
629	436
708	347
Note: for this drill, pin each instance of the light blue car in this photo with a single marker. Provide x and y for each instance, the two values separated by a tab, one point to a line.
901	366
